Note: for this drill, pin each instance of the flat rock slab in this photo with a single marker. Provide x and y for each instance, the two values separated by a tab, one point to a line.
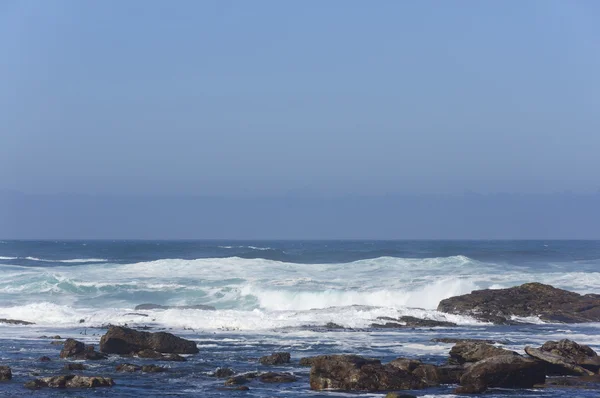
558	361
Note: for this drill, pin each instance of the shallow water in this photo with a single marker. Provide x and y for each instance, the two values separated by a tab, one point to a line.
270	296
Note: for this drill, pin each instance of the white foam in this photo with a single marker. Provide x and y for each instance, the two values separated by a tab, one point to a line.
72	260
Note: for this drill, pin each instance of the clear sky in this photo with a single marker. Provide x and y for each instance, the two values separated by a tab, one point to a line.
299	97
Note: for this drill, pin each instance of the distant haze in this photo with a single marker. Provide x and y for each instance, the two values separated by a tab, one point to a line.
274	104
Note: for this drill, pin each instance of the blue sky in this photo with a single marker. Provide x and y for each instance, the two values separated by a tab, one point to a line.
305	98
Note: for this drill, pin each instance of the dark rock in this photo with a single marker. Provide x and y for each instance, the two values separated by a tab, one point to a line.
128	367
355	373
71	381
149	306
450	374
558	364
236	380
57	337
578	354
238	388
74	366
15	322
77	350
451	340
331	325
122	340
387	325
473	352
136	314
406	364
398	395
151	354
429	374
409	322
505	371
44	359
306	361
223	372
5	373
531	299
582	382
272	377
153	369
276	358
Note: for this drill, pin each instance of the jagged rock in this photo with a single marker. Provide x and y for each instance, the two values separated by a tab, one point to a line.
578	354
149	306
5	373
406	364
223	372
276	358
122	340
151	354
15	322
128	367
71	381
153	369
272	377
74	366
429	374
355	373
473	352
531	299
559	365
306	361
44	359
505	371
77	350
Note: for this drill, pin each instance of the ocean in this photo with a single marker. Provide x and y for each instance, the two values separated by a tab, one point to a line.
271	296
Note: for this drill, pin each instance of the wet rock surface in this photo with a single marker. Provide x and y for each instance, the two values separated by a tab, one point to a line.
70	381
77	350
123	340
474	351
5	373
528	300
277	358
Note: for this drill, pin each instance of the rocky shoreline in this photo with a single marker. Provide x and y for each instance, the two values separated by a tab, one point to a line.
472	365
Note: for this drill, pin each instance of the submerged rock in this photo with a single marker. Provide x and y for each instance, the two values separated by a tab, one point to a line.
44	359
473	352
71	381
74	366
153	369
276	358
223	372
5	373
272	377
355	373
452	340
122	340
151	354
128	367
505	371
410	322
150	306
531	299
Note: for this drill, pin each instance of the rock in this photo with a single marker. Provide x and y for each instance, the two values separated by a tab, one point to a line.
151	354
57	342
473	352
355	373
582	382
450	374
578	354
122	340
331	325
71	381
409	322
236	380
57	337
558	364
397	395
406	364
276	358
149	306
306	361
77	350
223	372
531	299
74	366
44	359
429	374
128	367
153	369
15	322
504	371
238	388
5	373
272	377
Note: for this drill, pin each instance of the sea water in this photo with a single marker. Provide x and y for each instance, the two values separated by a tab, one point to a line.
271	296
